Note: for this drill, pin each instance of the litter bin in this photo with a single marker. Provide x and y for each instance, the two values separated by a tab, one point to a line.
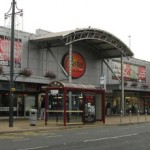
33	117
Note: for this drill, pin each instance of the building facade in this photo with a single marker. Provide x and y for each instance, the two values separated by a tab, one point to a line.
46	56
136	86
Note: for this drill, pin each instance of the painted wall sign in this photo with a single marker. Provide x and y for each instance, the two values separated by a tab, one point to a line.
78	64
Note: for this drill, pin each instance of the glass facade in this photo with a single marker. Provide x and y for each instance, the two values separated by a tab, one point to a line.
134	102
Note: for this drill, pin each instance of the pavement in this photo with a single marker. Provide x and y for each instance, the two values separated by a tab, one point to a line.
22	125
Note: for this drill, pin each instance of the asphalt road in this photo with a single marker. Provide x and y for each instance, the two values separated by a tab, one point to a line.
124	137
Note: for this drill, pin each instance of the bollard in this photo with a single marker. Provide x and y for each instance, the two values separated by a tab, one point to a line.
130	116
121	117
145	114
138	114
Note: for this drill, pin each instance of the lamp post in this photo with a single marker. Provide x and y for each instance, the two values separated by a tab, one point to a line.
11	82
12	65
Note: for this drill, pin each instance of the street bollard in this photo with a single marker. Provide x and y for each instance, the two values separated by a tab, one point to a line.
121	117
130	116
138	114
145	114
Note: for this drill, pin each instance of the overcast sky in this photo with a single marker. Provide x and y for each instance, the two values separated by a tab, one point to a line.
122	18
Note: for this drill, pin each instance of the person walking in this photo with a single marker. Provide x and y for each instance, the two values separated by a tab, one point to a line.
42	109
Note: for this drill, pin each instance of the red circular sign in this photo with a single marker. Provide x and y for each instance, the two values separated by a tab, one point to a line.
78	64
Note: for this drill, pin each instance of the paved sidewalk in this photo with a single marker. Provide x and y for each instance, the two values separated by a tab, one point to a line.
20	125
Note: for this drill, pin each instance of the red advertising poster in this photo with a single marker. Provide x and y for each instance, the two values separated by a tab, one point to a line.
127	71
89	108
78	64
5	52
131	72
141	73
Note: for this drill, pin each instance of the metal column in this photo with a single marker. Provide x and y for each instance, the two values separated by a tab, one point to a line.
70	63
122	85
12	65
70	79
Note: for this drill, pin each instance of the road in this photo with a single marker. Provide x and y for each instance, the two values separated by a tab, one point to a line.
123	137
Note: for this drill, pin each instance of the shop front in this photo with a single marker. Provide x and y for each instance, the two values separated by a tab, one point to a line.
24	98
69	103
134	102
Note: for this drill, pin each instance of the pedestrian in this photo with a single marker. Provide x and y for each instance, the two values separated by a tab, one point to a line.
42	108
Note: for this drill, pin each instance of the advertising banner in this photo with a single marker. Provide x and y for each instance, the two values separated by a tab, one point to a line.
131	72
89	108
5	52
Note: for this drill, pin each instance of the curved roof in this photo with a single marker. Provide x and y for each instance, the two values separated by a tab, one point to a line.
104	44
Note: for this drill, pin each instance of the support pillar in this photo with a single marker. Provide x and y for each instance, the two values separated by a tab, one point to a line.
122	86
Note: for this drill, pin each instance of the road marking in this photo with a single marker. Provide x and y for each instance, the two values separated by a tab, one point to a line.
17	140
41	147
12	133
103	131
44	134
140	127
113	137
82	133
53	136
9	137
30	133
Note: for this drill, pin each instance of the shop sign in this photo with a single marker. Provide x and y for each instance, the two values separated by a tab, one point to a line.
7	108
6	86
54	92
103	81
78	64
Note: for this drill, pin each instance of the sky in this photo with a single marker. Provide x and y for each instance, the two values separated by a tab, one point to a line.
126	19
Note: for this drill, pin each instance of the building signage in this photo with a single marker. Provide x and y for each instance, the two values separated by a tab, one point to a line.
5	51
131	72
54	92
78	64
103	81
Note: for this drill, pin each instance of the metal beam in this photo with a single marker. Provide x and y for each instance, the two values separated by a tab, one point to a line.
88	34
58	62
111	69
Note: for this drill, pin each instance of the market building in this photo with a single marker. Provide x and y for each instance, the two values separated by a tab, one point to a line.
89	57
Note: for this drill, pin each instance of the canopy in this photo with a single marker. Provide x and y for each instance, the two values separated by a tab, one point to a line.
102	43
71	86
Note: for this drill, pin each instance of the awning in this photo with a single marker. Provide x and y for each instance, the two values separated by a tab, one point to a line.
102	43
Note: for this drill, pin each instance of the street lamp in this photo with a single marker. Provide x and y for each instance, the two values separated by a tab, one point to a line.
12	58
